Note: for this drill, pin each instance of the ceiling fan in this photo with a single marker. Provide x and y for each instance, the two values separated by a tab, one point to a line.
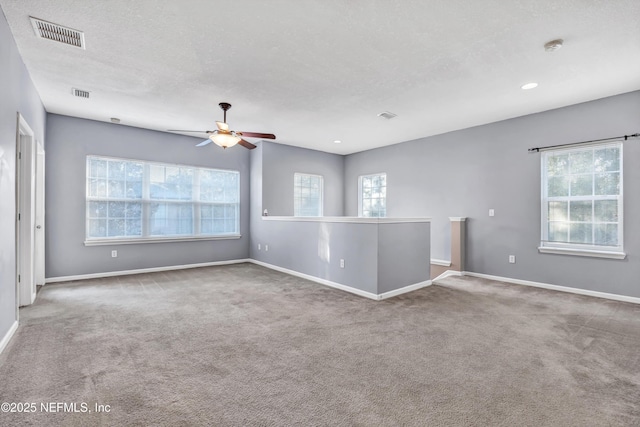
228	138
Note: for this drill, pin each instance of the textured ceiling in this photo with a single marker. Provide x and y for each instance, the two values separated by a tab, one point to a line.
315	71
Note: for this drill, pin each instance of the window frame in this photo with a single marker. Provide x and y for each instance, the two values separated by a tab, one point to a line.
321	198
581	249
360	194
145	200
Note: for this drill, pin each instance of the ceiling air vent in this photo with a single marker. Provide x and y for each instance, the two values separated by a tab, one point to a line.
80	93
387	115
58	33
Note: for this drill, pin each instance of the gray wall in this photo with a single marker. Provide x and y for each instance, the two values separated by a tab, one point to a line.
272	168
280	162
316	248
17	94
468	172
69	141
404	252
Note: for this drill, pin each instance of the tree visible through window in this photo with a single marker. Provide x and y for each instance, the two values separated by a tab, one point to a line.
582	198
129	199
373	195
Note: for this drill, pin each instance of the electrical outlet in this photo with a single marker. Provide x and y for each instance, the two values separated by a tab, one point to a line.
341	263
114	254
258	246
512	259
266	248
492	212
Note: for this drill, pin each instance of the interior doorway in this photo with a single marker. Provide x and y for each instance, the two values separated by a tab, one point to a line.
29	215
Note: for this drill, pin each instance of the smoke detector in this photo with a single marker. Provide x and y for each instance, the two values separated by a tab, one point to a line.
553	45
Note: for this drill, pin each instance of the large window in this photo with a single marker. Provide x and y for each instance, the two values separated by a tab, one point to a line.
372	200
307	195
582	200
137	200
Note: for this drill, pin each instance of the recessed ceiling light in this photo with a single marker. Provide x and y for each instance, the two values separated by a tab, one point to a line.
528	86
115	120
553	45
387	115
337	141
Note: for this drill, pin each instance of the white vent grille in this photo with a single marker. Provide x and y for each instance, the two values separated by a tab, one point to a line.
58	33
80	93
387	115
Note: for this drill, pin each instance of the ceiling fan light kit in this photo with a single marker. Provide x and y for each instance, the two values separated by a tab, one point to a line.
226	138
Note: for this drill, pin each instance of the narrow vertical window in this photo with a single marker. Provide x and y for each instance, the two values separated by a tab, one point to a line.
372	201
307	194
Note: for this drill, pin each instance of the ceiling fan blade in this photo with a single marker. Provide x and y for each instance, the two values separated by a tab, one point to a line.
257	135
196	131
223	126
246	144
203	143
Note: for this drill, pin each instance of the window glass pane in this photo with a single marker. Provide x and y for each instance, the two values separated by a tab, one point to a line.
580	233
116	170
558	165
97	209
171	219
607	184
607	159
98	227
115	227
558	211
606	210
606	234
582	185
580	211
558	232
115	189
558	186
581	162
97	168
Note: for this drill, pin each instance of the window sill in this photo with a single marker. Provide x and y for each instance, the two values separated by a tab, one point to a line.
108	242
582	252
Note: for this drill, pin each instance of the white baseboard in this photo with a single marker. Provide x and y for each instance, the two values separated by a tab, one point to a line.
404	290
441	262
447	274
7	337
141	270
578	291
370	295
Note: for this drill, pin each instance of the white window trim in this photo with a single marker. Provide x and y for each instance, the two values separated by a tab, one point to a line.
360	190
577	249
321	192
139	240
101	241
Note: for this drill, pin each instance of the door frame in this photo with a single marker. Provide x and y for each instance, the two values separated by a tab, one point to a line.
26	152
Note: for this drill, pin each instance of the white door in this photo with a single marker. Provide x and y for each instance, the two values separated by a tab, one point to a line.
26	218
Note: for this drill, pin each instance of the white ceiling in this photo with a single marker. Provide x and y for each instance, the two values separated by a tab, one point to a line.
315	71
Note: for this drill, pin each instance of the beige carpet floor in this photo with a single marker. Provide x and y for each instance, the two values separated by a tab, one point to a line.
242	345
